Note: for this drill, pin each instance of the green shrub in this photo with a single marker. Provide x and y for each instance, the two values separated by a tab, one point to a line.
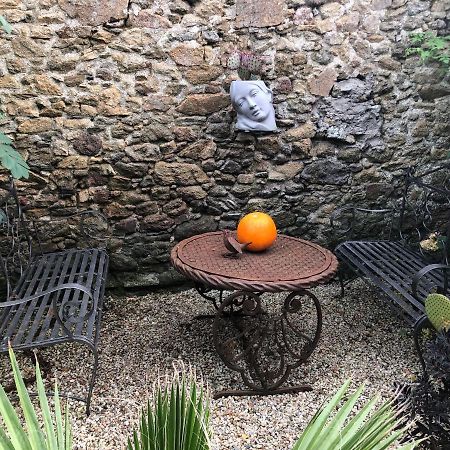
379	431
177	418
56	433
430	47
10	158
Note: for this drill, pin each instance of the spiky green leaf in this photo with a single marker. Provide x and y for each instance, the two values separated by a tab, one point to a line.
5	25
11	159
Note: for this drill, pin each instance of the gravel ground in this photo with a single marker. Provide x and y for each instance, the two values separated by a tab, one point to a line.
142	337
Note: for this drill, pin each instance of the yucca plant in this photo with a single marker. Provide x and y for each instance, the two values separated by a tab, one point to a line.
56	432
377	432
176	418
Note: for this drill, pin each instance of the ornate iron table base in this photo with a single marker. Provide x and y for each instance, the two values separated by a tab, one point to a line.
262	344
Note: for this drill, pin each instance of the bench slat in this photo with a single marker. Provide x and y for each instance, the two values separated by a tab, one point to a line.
400	265
416	262
35	307
70	262
96	272
17	311
38	325
63	261
359	262
92	263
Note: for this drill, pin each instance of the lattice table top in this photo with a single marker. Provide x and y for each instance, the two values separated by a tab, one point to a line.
290	264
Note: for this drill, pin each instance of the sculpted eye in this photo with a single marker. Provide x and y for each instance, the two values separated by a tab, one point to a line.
254	92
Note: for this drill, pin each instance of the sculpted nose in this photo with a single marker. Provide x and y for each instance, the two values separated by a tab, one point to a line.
251	103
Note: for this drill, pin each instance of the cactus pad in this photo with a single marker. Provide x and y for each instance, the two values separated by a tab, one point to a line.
245	59
437	307
234	61
244	74
254	64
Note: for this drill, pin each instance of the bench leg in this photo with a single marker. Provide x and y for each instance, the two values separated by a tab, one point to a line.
341	283
92	380
421	324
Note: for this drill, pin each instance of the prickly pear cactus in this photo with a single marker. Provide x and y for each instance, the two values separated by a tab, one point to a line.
244	74
437	307
247	64
245	59
234	61
254	64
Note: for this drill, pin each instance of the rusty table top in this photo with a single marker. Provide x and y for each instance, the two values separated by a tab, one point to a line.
290	264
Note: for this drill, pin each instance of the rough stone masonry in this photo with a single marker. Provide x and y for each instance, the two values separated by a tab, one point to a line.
123	106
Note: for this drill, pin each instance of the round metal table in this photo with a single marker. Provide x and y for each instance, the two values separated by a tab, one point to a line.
251	333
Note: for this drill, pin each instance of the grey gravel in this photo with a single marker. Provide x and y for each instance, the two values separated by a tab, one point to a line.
142	337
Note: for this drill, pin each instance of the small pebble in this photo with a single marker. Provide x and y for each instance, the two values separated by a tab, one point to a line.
143	337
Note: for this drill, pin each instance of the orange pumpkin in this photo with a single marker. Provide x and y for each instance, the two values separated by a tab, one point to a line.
257	228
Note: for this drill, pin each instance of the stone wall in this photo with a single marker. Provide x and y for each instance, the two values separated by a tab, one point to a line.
123	105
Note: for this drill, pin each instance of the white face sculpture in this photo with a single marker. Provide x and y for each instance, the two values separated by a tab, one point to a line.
252	101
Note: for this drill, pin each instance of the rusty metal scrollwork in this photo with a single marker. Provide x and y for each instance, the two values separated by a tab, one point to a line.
214	296
262	344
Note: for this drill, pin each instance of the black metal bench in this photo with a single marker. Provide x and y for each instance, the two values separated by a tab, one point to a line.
400	264
50	298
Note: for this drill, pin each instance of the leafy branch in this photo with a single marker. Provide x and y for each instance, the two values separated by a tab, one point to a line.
10	158
5	25
430	47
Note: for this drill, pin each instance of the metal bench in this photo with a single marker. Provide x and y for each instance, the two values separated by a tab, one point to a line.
413	257
50	298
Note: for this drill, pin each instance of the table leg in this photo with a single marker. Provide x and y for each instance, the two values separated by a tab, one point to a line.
214	296
264	346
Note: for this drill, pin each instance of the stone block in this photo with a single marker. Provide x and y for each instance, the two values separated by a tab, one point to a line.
128	225
7	4
88	144
185	133
36	125
326	171
185	55
25	47
323	83
304	131
190	193
74	162
193	227
157	222
290	169
348	22
23	108
203	104
203	74
381	4
200	150
146	19
95	12
179	173
259	13
157	102
8	81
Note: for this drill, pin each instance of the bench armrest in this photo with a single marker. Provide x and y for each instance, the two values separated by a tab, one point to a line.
29	298
427	269
60	312
349	214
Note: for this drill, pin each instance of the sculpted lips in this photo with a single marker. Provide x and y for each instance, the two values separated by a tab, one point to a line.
256	112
